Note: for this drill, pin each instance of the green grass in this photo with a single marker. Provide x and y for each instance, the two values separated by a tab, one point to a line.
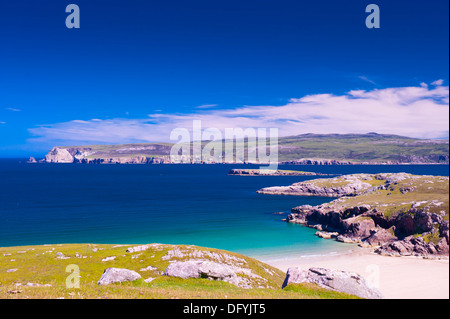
39	265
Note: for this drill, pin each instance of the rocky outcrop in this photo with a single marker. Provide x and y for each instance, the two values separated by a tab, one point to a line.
121	154
415	246
366	229
117	275
342	281
388	214
307	161
350	185
59	155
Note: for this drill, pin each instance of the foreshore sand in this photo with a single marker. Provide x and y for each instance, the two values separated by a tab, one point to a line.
394	277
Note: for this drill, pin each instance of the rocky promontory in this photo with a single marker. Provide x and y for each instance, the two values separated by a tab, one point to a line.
398	214
153	154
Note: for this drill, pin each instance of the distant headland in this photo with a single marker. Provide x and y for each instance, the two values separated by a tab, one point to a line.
305	149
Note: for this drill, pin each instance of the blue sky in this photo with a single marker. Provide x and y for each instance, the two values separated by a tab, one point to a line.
136	68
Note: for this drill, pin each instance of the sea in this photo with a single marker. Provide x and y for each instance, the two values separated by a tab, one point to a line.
191	204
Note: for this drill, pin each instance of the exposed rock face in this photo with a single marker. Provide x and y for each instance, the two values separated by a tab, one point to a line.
414	246
366	230
337	280
380	236
59	155
116	275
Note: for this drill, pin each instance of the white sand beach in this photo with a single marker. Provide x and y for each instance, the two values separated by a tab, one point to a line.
395	277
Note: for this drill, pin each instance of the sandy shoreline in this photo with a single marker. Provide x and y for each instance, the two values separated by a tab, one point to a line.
395	277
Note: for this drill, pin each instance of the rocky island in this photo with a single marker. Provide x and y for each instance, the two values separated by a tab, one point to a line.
398	214
272	172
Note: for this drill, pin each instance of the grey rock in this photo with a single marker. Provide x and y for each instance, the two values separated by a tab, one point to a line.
380	236
116	275
205	269
337	280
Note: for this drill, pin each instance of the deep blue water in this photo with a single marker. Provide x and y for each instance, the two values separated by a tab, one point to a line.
172	204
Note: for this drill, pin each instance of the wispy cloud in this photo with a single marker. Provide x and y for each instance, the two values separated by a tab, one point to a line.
418	111
13	109
438	82
365	78
1	122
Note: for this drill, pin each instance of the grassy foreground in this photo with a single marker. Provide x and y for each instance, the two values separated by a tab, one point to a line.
41	272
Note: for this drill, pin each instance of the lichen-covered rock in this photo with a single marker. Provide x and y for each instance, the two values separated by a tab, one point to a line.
212	271
117	275
342	281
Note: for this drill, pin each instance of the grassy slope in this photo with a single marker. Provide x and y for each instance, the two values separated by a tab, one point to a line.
357	147
39	264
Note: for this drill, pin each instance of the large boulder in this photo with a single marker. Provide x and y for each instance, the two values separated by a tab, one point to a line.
116	275
342	281
200	269
203	269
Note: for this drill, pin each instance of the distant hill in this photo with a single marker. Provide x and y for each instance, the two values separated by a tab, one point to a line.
371	147
300	149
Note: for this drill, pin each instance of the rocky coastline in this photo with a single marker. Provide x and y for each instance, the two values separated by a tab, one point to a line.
395	214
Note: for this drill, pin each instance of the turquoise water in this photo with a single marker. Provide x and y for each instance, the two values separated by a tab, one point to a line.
172	204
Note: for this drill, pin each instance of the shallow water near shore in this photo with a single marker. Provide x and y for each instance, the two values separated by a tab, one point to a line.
172	204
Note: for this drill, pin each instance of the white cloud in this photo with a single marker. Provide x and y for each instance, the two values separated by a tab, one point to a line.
421	112
13	109
438	82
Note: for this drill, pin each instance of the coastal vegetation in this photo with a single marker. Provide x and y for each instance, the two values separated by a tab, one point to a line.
46	271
